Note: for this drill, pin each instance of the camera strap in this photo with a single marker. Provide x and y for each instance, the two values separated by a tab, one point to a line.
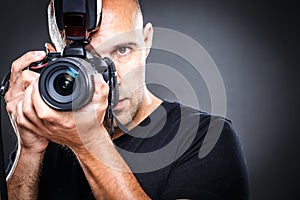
3	184
113	94
113	97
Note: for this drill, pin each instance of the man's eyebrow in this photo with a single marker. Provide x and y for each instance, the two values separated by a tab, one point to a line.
124	45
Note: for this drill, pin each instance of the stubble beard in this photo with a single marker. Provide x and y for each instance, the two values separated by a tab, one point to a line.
127	115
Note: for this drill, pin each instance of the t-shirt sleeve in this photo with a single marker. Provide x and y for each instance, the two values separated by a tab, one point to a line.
221	174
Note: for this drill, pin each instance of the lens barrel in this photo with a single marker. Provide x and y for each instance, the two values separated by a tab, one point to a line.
67	83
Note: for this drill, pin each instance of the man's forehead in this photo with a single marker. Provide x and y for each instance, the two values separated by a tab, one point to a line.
108	43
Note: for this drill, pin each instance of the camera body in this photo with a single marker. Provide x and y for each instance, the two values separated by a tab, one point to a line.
67	82
67	79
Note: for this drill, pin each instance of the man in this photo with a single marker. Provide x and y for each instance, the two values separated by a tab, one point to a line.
69	155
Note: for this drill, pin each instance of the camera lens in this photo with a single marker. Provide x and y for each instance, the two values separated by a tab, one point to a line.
64	84
67	83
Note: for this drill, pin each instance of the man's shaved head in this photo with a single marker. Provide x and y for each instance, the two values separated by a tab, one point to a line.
129	9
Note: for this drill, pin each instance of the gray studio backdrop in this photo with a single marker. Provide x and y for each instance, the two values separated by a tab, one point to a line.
255	46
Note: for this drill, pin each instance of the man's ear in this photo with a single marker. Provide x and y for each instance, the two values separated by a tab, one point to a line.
49	47
148	37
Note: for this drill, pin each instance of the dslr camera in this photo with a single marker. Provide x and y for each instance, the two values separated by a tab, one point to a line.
66	79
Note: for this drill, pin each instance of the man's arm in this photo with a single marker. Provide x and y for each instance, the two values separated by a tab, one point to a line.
24	182
106	171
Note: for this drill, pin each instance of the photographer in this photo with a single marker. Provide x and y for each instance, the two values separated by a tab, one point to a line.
70	155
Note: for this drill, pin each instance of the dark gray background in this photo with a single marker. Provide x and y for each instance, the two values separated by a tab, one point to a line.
255	46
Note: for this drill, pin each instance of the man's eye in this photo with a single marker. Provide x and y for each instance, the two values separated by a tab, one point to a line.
123	51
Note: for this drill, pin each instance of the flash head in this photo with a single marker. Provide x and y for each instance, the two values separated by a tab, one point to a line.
77	17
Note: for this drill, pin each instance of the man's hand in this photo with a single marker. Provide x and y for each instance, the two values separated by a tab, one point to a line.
38	123
74	128
20	81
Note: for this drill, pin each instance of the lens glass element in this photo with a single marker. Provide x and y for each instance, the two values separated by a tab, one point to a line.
64	84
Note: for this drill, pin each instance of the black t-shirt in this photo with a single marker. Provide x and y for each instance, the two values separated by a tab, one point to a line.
175	153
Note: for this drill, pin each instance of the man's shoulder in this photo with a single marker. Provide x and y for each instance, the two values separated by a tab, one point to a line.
196	127
191	115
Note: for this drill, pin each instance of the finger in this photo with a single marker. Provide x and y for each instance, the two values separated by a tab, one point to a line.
11	106
38	104
22	121
18	87
49	47
100	102
28	109
24	61
101	87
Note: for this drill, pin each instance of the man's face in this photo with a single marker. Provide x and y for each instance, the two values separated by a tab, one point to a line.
121	38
